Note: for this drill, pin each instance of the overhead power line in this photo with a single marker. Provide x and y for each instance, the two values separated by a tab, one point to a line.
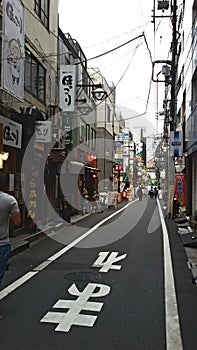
116	48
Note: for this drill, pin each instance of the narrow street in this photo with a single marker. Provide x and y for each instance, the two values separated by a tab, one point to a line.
108	286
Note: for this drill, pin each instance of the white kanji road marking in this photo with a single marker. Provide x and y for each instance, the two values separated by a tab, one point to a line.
108	264
73	317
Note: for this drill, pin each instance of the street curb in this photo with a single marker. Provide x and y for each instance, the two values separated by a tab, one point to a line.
18	245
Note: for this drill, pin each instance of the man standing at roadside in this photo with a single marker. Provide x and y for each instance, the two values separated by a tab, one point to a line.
8	211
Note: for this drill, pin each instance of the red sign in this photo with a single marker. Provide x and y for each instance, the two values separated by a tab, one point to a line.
180	189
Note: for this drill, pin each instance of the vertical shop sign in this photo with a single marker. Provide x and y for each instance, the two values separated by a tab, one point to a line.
170	199
180	189
12	78
32	195
67	87
176	144
67	127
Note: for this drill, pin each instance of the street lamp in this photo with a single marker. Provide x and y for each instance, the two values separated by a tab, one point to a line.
98	92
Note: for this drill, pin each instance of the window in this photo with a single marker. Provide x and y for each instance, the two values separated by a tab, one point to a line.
93	138
42	10
87	134
35	77
82	131
108	113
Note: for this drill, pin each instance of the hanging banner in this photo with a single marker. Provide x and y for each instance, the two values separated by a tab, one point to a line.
12	78
67	127
180	189
67	87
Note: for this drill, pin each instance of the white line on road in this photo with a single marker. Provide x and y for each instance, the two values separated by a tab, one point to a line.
47	262
173	333
17	284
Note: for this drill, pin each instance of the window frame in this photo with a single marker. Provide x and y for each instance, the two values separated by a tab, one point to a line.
41	8
36	72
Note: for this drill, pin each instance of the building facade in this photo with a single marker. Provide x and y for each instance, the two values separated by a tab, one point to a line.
186	119
28	90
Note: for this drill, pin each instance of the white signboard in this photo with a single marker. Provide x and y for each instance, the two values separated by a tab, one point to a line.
12	78
118	156
112	199
176	143
67	87
43	131
118	138
12	133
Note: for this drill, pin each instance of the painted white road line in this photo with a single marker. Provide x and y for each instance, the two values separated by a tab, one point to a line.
4	292
17	283
173	333
86	234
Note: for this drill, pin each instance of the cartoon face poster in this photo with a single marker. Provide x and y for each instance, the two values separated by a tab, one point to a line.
13	48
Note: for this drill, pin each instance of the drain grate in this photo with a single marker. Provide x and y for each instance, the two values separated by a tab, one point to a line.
82	276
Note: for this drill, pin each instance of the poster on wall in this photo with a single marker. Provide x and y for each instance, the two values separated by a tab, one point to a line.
12	79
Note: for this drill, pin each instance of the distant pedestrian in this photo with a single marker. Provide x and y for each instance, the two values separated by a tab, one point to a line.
155	192
151	192
8	210
140	193
146	192
85	202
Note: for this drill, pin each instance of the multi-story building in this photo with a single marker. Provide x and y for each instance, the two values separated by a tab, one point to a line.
28	90
107	127
78	121
186	119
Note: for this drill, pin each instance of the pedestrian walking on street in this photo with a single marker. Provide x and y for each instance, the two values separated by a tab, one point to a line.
140	193
85	204
8	210
155	192
151	192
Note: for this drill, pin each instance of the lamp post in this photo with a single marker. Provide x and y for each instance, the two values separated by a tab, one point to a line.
98	93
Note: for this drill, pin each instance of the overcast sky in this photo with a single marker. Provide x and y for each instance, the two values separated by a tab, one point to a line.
103	27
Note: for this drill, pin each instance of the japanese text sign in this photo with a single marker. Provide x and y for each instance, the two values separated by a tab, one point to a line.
43	131
12	132
67	87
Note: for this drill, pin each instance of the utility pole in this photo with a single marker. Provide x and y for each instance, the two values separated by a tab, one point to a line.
173	105
173	67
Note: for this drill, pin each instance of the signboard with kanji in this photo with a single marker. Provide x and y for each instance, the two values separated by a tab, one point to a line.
11	133
67	87
43	131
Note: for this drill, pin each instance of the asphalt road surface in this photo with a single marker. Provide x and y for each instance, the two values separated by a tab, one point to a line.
116	280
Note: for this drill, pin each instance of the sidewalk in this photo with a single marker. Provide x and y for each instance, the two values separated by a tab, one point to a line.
24	241
188	237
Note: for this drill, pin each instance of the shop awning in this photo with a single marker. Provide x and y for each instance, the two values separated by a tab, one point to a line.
91	168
